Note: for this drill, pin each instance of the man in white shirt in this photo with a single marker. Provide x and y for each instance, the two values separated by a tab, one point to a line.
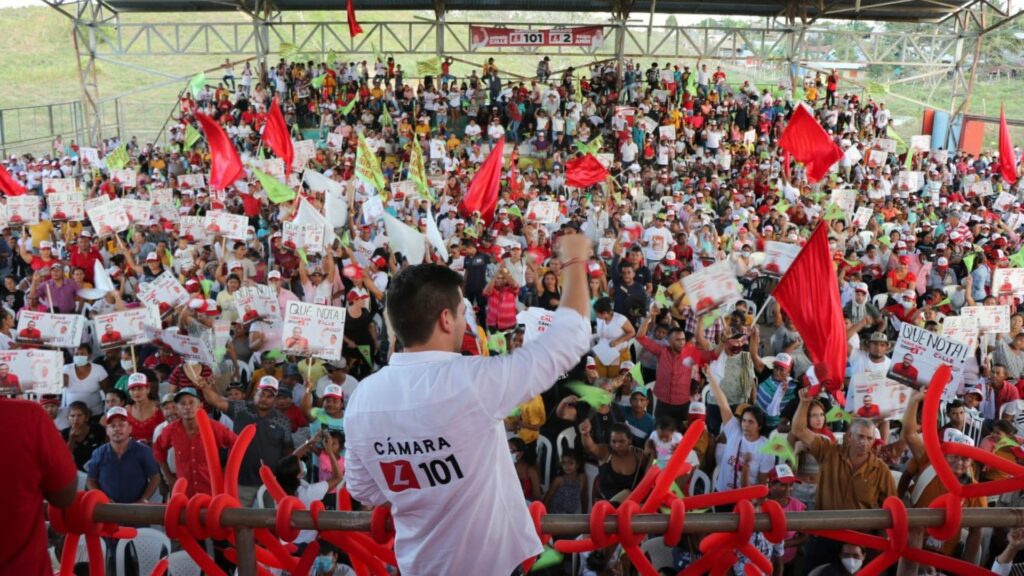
657	240
450	481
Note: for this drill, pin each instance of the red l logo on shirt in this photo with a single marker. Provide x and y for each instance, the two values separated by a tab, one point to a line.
399	475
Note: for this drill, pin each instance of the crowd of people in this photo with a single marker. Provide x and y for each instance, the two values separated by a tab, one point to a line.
696	178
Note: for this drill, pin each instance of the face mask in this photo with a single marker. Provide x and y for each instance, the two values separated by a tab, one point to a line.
81	360
852	565
126	364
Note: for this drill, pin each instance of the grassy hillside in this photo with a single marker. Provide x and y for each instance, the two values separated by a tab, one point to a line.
38	65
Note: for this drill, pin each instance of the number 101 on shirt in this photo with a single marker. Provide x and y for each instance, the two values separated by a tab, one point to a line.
400	475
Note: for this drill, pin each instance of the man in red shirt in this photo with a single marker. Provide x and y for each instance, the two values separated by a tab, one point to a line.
30	332
84	255
183	436
45	469
868	409
905	371
676	362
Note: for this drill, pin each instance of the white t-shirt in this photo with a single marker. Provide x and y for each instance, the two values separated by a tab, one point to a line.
450	481
736	447
658	241
87	390
861	362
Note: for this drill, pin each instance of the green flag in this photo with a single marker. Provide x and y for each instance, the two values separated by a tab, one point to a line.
318	82
191	136
277	191
660	299
301	253
779	447
368	167
207	286
592	395
515	212
592	147
782	206
385	116
637	374
332	56
364	350
496	343
969	261
346	240
710	318
117	158
549	558
834	212
347	108
430	66
837	414
1006	442
288	50
197	83
418	172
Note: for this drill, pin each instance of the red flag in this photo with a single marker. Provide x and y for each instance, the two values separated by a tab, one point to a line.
277	137
785	166
584	172
808	142
483	189
1007	159
225	165
809	294
8	185
354	29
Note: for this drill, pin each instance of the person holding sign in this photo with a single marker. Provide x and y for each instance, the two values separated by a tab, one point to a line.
451	482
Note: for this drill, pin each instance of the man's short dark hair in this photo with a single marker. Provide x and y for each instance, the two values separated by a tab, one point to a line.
416	298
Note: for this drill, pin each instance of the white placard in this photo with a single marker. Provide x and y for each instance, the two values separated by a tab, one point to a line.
373	209
308	237
230	226
863	217
962	328
125	177
920	142
406	187
536	322
877	158
164	292
89	156
22	210
712	286
918	353
258	303
648	124
162	196
126	327
667	132
1007	281
888	398
778	257
1003	202
59	185
605	158
37	371
543	212
138	211
982	188
190	348
336	141
991	319
887	145
305	150
194	226
313	330
55	330
65	206
853	155
191	181
911	180
108	218
845	199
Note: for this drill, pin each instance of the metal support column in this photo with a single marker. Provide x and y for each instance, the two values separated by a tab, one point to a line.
439	28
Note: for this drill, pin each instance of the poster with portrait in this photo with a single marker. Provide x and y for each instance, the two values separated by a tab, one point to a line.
667	133
308	237
190	348
108	218
863	217
53	330
125	177
991	319
126	327
230	226
304	151
887	145
877	158
335	141
89	156
161	196
191	181
59	185
95	201
64	206
139	211
536	321
1003	202
258	302
778	257
876	397
37	371
22	210
313	330
845	199
962	328
543	212
710	287
920	142
605	158
193	227
272	166
373	209
982	188
1007	281
940	156
164	293
918	353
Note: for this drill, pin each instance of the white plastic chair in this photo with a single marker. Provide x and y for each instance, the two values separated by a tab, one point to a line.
591	471
544	461
82	551
82	477
150	546
181	564
879	300
258	502
565	437
699	478
817	571
658	552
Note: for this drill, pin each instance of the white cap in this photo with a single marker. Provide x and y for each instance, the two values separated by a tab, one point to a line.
137	379
333	391
117	412
45	244
273	275
268	382
956	436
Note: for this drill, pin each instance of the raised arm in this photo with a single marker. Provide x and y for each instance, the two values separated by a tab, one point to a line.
909	432
800	429
599	451
720	398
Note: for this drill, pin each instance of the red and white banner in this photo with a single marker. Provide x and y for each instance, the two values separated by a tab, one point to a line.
583	36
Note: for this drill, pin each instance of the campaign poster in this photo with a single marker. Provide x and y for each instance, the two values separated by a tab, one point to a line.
230	226
1003	202
313	330
308	237
543	212
1007	281
918	353
37	371
191	181
877	158
845	199
991	319
982	188
54	330
962	328
863	217
853	155
778	257
406	187
304	151
876	397
164	292
711	287
126	327
193	227
126	177
64	206
59	186
920	142
605	158
108	218
536	322
258	302
887	145
138	211
23	210
911	180
373	209
190	348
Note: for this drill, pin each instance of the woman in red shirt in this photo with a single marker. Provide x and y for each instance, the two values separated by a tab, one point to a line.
501	301
901	279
